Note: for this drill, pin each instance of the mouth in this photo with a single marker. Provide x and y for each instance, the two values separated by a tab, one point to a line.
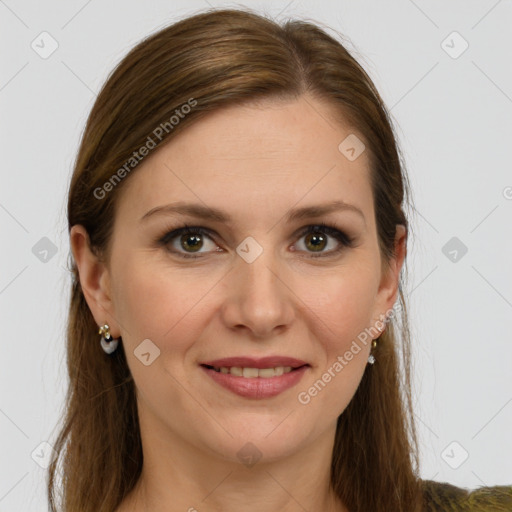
255	383
252	372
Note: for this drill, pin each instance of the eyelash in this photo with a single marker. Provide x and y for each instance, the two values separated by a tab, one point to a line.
331	230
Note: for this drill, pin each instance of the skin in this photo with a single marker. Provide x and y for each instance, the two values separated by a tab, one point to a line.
255	163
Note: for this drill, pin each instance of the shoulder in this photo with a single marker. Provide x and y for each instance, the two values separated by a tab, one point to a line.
444	497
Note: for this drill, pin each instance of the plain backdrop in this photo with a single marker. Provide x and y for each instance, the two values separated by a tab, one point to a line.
443	68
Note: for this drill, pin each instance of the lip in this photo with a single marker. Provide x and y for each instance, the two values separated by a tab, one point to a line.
257	387
252	362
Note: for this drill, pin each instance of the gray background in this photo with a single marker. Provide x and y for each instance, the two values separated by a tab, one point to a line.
453	113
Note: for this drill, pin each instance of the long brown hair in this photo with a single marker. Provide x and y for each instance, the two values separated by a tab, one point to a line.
220	58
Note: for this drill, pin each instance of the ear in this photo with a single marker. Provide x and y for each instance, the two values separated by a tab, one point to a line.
390	278
94	280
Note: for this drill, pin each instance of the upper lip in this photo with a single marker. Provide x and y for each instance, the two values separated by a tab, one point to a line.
253	362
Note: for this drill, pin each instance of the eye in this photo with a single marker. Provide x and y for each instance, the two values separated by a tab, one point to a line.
191	240
186	238
316	240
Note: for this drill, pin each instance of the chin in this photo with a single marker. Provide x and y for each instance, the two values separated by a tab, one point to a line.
264	442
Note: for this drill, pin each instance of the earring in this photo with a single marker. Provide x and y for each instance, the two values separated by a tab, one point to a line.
108	344
371	358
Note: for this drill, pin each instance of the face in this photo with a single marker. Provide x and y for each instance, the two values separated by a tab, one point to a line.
254	284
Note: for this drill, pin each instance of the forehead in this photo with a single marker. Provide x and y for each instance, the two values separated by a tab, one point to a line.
252	160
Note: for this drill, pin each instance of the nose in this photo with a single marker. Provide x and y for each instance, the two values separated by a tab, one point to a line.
258	299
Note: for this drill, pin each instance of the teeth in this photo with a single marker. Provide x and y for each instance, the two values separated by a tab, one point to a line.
251	373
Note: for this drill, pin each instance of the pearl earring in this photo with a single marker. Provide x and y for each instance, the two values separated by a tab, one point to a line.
108	344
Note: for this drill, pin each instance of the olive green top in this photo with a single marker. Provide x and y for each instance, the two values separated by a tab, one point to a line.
444	497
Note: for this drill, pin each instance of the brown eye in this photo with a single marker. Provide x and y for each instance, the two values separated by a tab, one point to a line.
192	242
317	238
188	240
315	241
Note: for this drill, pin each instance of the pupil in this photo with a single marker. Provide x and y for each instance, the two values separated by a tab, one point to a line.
193	246
317	240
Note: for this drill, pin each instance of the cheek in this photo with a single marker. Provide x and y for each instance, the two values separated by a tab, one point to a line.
339	312
157	303
343	304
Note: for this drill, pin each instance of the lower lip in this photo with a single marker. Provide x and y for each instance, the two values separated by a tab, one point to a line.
257	387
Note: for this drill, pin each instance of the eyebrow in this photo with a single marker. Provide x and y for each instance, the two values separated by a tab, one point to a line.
208	213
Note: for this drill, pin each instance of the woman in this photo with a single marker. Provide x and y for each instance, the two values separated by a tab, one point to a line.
237	225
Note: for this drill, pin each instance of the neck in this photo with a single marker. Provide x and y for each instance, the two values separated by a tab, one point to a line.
177	476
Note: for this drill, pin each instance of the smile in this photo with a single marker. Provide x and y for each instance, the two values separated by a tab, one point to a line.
256	383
